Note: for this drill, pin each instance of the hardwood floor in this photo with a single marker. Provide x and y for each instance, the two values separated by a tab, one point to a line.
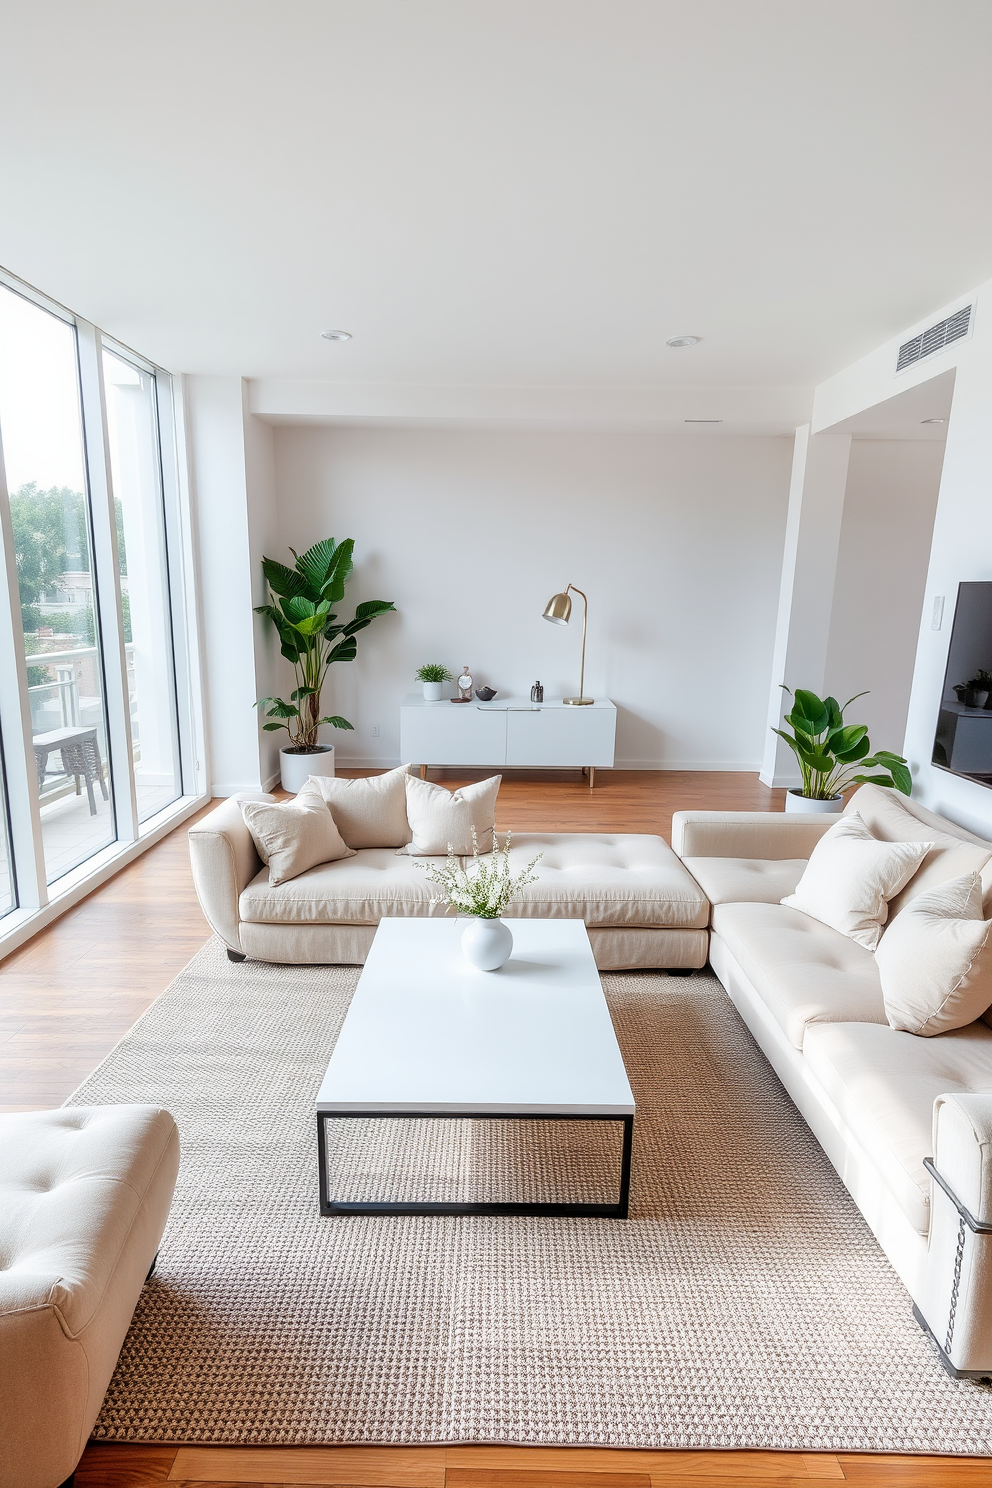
68	996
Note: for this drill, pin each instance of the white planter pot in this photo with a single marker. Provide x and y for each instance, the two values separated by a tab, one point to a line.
796	801
487	944
295	769
433	692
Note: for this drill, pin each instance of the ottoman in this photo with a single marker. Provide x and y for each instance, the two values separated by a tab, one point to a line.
84	1197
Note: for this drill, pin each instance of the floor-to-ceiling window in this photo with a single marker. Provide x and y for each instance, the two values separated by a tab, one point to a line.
90	721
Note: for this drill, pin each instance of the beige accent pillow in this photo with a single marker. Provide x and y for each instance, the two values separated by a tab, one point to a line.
292	836
440	818
935	960
851	876
370	812
888	819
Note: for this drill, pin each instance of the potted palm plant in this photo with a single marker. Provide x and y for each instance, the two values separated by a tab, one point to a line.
834	755
312	639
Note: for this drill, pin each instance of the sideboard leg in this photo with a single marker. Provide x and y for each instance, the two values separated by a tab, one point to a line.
423	772
592	776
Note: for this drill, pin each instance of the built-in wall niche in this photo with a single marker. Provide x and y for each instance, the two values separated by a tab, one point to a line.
963	741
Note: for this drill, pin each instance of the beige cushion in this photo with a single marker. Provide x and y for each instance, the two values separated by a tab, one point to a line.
292	836
443	820
606	879
602	879
353	891
935	960
746	880
851	876
889	818
802	970
84	1194
370	812
885	1083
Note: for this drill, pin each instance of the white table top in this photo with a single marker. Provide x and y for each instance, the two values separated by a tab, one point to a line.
428	1032
508	704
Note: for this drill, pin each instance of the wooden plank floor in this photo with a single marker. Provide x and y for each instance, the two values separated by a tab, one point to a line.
69	995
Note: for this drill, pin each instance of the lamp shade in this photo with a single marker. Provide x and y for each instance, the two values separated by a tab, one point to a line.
558	609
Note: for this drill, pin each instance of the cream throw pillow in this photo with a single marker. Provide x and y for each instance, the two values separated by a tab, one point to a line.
441	818
851	876
935	960
889	820
370	812
292	836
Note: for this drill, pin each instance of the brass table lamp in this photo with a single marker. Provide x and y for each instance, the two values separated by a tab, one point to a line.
559	611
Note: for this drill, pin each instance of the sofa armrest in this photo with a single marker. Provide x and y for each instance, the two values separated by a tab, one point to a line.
224	861
747	834
956	1306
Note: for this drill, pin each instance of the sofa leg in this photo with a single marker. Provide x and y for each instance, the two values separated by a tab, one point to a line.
69	1481
235	955
679	971
151	1268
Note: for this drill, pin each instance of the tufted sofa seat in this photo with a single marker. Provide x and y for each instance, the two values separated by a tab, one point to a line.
641	906
84	1196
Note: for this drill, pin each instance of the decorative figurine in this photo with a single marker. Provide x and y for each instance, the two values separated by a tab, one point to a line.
465	684
537	693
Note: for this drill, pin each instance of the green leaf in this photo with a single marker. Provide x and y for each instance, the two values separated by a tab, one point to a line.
846	737
873	780
345	650
338	571
302	692
316	561
270	726
282	580
365	613
336	721
850	756
821	763
809	706
298	608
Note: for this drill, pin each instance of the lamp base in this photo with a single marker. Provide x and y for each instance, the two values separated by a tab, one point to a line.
582	702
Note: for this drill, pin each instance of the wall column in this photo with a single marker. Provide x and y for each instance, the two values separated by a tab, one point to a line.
809	567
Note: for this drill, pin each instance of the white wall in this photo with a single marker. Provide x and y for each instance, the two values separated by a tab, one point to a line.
889	507
232	476
676	538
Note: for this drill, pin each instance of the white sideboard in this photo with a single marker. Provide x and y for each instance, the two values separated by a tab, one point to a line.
508	731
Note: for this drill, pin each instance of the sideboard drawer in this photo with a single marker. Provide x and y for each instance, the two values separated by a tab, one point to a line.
560	737
452	734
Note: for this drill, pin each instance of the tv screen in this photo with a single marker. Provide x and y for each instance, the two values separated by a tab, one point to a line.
963	741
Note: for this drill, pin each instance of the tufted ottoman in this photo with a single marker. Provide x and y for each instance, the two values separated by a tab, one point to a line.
84	1197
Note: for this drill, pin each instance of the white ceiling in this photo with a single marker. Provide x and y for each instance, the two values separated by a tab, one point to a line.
504	194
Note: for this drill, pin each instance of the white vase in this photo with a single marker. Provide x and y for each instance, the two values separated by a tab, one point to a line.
433	692
487	944
796	801
295	769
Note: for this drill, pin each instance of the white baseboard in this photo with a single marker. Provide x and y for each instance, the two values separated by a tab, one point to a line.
364	762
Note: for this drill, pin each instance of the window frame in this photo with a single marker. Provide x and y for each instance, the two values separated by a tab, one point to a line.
37	902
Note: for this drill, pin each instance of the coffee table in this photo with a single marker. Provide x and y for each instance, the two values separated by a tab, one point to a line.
427	1035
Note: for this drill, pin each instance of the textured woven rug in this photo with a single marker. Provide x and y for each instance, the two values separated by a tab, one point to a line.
743	1304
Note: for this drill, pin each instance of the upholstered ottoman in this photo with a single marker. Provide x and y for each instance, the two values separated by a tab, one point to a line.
84	1197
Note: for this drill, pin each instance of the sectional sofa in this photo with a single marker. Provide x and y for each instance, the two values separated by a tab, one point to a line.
906	1120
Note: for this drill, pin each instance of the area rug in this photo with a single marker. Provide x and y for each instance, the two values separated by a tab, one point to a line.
743	1304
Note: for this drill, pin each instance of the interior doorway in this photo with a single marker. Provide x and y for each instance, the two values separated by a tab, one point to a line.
890	502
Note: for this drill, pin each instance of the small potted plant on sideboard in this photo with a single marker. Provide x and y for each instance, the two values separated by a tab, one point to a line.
834	755
312	640
433	675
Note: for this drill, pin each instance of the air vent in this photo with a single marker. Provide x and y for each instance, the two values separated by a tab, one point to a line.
935	339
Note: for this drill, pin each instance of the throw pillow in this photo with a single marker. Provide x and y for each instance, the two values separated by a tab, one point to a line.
370	812
888	818
851	876
441	818
935	960
292	836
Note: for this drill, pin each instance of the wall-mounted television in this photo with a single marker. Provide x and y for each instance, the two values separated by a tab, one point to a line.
963	741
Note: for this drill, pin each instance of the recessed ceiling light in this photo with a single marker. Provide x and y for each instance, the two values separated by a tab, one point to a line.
336	335
683	340
702	421
933	421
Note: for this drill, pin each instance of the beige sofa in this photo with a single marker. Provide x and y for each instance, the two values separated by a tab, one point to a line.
906	1120
641	906
84	1197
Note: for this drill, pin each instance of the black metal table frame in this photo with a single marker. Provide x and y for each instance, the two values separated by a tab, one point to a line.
577	1211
